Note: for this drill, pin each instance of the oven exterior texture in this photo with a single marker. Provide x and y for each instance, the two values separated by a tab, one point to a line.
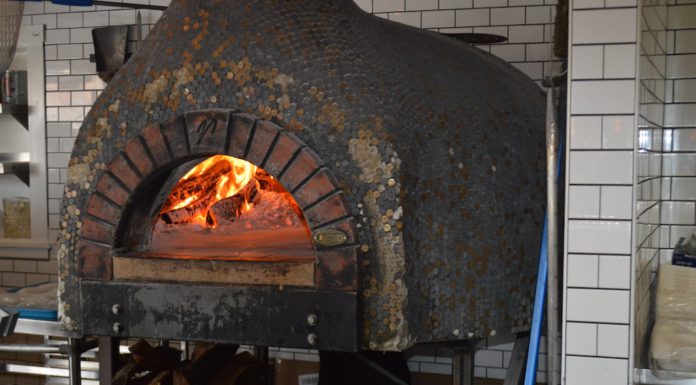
428	155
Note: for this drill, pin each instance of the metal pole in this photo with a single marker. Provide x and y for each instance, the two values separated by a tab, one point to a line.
74	357
552	228
30	348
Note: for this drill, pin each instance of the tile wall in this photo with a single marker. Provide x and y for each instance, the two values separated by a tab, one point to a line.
679	163
649	158
601	153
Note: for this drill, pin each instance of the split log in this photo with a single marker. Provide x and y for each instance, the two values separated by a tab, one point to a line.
123	376
242	369
163	378
200	349
204	369
155	359
232	208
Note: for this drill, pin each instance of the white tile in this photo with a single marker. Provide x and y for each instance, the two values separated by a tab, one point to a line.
61	67
495	373
583	4
583	202
57	99
122	17
70	20
507	16
587	62
583	270
685	90
66	144
681	66
70	51
601	167
619	3
603	97
408	18
472	17
58	36
386	6
83	98
509	52
490	3
489	358
79	67
526	34
539	51
421	5
683	164
614	272
71	83
678	213
599	237
51	52
67	114
684	188
604	26
685	41
456	4
48	20
585	132
99	19
538	15
619	61
682	16
597	305
437	19
616	202
612	340
444	369
81	35
581	338
535	71
618	132
592	370
680	115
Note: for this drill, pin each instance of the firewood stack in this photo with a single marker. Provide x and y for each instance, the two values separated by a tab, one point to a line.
210	364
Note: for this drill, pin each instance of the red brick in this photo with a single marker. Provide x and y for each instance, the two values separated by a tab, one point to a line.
207	131
124	172
306	162
239	137
97	231
337	269
100	208
321	184
155	142
175	132
136	153
264	134
284	149
325	211
111	189
94	261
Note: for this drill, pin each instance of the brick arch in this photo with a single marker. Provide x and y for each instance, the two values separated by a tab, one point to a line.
200	134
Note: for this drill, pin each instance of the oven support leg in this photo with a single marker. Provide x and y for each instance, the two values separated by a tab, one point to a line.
108	358
261	354
74	349
463	363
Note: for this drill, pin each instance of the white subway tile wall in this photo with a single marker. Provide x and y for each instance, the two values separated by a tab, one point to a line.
601	186
72	86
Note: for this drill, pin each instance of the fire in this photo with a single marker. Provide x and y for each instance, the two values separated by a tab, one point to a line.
217	178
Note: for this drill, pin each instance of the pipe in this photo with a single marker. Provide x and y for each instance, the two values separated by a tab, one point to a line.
552	241
535	332
10	348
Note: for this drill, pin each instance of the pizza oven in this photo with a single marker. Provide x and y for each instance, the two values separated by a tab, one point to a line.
303	174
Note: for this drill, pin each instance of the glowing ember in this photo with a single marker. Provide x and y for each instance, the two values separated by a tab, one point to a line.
232	182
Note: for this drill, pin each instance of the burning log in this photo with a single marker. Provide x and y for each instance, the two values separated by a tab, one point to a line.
204	369
234	206
199	193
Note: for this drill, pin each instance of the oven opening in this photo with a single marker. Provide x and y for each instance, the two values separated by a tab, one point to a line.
225	221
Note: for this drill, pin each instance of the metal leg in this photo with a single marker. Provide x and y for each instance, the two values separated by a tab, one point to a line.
515	371
108	359
74	361
463	364
261	353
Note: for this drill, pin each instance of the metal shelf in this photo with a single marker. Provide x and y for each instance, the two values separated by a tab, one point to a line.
17	164
18	111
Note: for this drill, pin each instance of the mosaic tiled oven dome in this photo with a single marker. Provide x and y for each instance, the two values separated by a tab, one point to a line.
427	154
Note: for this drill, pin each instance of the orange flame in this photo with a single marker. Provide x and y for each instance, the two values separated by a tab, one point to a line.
188	192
